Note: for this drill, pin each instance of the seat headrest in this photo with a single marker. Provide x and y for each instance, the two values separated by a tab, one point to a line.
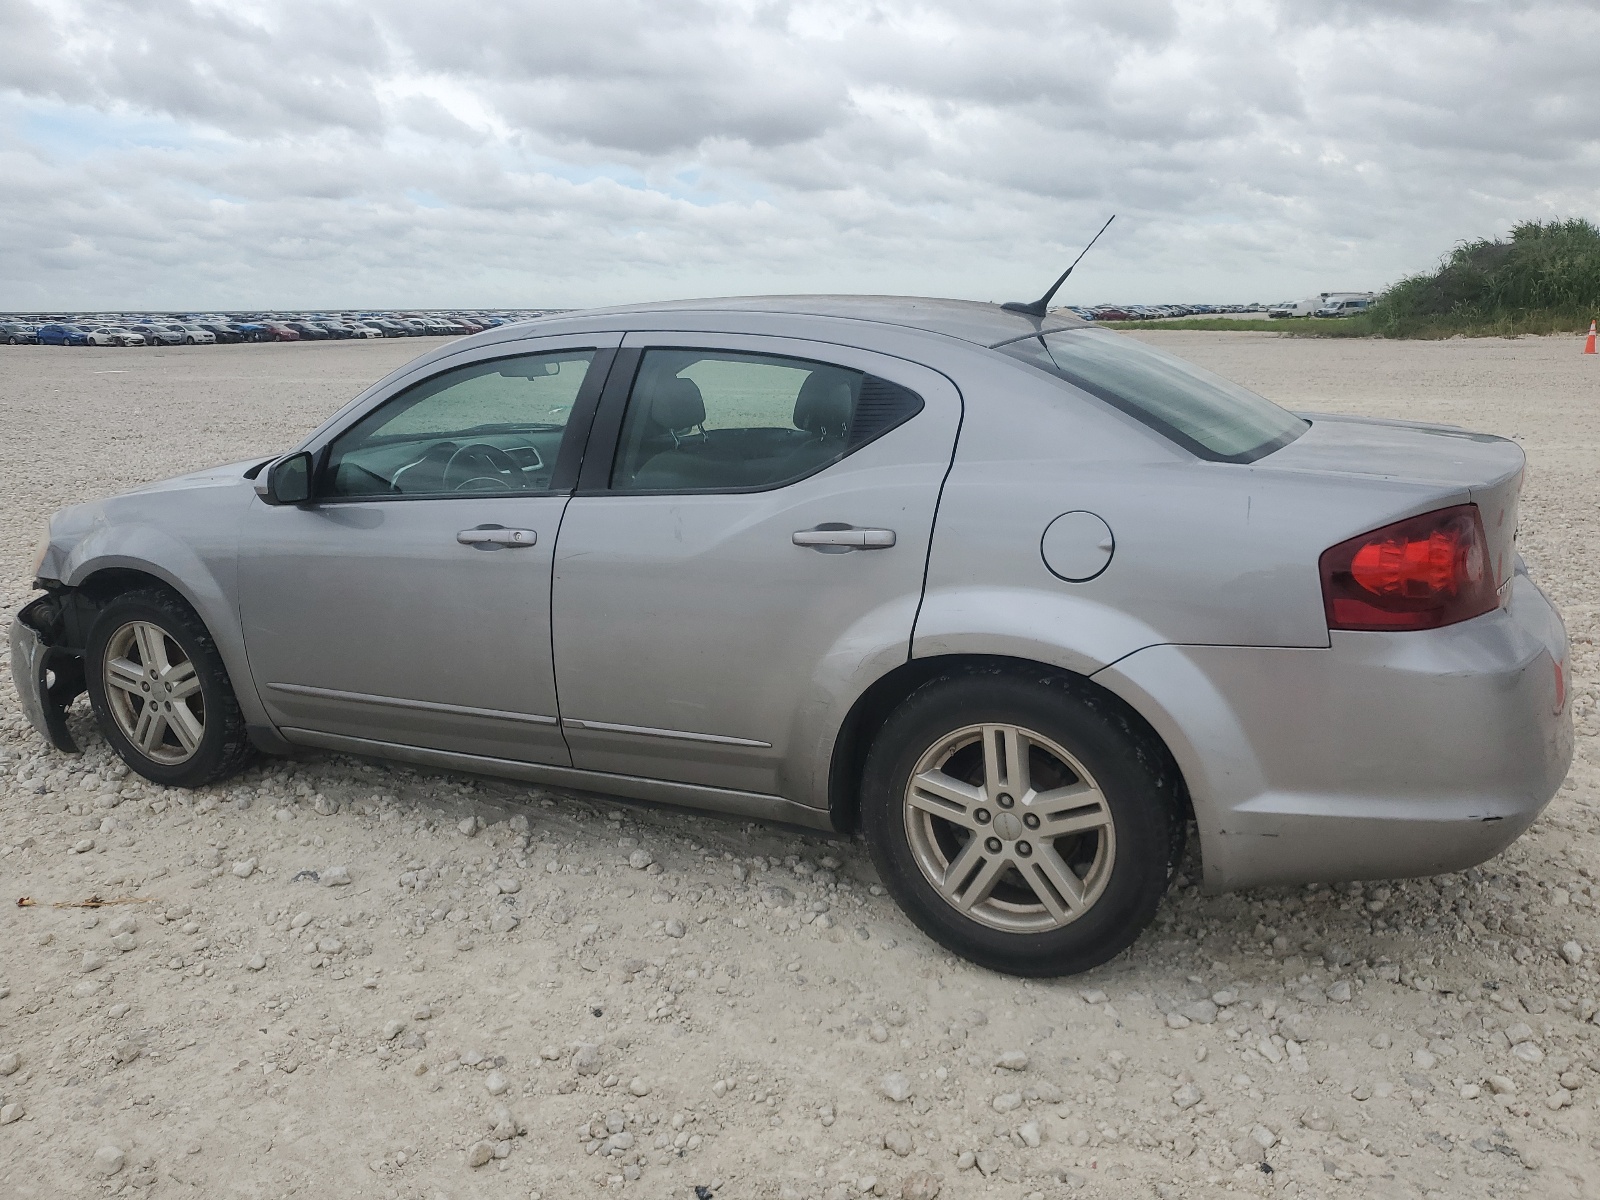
677	404
825	405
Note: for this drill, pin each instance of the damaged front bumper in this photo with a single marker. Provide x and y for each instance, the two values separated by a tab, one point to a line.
48	675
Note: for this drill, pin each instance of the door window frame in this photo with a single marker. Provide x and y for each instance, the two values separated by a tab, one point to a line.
574	441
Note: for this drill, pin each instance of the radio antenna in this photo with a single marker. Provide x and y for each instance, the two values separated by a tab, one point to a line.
1041	306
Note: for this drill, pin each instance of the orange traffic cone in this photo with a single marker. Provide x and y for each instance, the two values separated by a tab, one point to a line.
1588	342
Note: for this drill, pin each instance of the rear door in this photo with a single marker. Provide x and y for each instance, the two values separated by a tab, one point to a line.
753	519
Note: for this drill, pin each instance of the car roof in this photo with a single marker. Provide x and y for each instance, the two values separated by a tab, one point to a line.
967	320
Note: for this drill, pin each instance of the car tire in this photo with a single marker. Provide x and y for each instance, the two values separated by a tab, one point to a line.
1024	900
148	640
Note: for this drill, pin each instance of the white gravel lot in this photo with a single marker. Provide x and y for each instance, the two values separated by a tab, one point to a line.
685	1003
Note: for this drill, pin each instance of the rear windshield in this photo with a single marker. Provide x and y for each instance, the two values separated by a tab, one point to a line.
1201	412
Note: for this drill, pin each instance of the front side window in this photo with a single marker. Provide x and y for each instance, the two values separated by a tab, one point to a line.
490	427
718	420
1202	412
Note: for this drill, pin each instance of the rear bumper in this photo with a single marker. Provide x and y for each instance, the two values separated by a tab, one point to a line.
47	679
1385	755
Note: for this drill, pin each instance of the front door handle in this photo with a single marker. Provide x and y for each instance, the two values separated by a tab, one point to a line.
489	537
836	538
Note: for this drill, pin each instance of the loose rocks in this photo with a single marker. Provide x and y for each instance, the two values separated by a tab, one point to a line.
1203	1012
108	1160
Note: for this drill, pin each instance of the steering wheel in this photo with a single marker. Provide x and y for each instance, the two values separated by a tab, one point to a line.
480	467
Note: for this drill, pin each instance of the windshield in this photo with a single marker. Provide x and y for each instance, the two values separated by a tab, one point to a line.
1201	412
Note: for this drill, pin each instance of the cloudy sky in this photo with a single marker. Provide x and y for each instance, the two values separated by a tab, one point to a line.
190	154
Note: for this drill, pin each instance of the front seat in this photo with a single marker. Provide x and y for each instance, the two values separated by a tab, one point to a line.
677	408
677	412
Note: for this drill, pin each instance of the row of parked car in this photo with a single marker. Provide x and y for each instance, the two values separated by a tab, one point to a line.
208	330
1155	312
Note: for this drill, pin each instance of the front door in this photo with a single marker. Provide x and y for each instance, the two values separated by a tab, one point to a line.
409	601
763	524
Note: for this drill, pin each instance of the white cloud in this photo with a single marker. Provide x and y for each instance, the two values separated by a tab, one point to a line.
294	153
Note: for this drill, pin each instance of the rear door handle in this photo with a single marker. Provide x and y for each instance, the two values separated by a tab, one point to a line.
844	537
488	537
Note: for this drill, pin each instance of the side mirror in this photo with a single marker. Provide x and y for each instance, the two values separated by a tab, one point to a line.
287	481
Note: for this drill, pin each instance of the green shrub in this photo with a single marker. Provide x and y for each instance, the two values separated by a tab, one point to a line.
1544	279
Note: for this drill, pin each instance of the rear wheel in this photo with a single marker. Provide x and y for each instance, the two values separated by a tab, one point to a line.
160	692
1024	823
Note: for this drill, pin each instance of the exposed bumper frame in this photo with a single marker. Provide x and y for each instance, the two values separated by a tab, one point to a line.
48	676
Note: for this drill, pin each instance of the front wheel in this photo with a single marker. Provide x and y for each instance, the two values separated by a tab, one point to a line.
1025	823
160	692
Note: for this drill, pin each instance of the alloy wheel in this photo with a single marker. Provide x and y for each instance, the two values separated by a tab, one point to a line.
153	693
1009	828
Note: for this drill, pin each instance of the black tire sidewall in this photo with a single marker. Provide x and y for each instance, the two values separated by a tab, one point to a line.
221	709
1099	736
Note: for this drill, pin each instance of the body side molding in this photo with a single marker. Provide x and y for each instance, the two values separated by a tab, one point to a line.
302	689
681	795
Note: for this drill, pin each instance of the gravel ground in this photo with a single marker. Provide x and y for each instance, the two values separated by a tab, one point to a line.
491	991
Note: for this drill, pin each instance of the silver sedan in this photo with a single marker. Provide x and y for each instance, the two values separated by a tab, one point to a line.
1024	601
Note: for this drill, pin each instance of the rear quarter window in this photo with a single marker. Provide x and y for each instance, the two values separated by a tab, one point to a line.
1204	413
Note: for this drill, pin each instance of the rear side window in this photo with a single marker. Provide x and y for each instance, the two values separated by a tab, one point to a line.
717	420
1202	412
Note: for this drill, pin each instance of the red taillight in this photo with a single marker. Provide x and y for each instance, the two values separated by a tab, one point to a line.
1419	573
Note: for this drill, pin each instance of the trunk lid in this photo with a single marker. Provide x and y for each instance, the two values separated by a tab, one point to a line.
1466	467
